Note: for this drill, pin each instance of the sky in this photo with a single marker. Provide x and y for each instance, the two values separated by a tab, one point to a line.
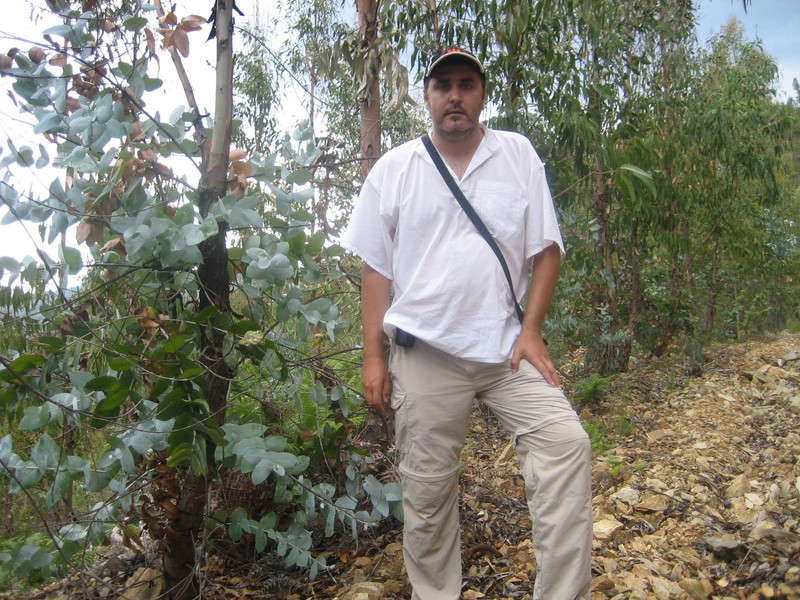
775	22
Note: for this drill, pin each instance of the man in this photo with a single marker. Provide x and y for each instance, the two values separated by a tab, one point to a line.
432	283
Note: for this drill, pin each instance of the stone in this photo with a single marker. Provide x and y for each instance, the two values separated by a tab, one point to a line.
696	589
739	486
366	590
725	547
604	529
627	495
654	503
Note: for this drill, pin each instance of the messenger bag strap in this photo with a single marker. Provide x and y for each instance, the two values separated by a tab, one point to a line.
473	216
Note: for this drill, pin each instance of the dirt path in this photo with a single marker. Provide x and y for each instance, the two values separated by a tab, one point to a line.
704	499
698	498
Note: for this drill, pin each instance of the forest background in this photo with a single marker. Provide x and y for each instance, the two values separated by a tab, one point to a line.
199	383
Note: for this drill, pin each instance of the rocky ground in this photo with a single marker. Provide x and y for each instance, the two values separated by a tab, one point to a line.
697	496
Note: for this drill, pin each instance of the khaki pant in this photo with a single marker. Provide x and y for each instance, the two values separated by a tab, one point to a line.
432	396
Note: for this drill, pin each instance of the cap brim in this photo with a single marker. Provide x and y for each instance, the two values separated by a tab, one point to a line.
450	55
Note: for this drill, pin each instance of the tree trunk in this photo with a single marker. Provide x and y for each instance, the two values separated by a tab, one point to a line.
636	300
605	353
710	315
370	104
180	557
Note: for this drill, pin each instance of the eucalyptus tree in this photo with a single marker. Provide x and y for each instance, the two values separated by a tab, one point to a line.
734	179
142	358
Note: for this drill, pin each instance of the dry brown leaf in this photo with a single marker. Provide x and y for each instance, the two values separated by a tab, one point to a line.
59	59
236	154
145	584
180	39
116	244
739	486
192	23
151	41
148	154
241	167
170	509
83	231
162	169
170	19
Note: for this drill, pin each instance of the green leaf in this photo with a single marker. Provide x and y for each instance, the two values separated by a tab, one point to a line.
34	417
262	470
50	122
46	454
134	23
316	243
74	532
59	31
238	517
151	83
79	123
72	258
120	364
28	474
303	196
644	176
123	452
52	342
173	344
300	176
101	384
242	327
192	373
108	405
41	558
260	540
199	462
9	264
181	455
21	366
192	234
6	448
60	485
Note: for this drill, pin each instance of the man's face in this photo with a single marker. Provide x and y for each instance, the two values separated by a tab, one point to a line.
454	97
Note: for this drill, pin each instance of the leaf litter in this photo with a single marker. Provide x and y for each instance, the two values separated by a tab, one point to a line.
699	498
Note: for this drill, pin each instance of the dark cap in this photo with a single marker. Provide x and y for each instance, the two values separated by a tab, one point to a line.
455	55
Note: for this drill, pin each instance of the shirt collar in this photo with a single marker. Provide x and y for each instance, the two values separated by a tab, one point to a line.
489	144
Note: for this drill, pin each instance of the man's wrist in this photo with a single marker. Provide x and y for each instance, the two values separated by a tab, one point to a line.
375	352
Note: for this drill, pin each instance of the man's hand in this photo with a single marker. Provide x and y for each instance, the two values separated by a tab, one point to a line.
531	347
377	383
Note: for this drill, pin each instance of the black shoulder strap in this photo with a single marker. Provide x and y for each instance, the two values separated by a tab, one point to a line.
473	216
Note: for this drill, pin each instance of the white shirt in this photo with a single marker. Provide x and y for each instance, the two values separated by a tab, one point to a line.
449	288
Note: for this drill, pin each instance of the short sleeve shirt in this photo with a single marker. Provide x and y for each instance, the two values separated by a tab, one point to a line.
448	286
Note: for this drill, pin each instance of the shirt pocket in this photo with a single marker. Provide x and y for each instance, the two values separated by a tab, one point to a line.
501	207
